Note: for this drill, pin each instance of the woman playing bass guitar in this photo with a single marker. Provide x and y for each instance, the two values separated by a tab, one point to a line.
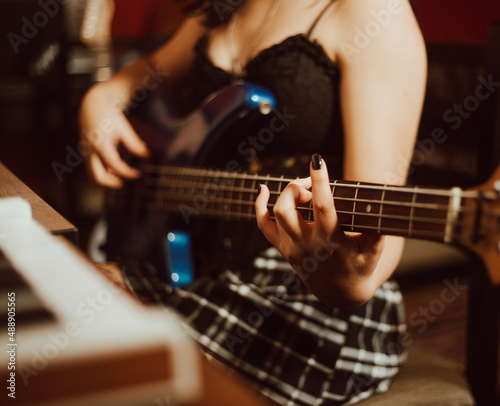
322	323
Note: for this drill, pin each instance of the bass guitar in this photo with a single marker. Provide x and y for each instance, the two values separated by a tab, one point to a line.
176	187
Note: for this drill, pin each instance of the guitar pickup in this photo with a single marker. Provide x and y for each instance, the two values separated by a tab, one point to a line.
179	258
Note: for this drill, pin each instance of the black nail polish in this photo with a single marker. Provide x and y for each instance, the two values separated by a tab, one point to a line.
316	161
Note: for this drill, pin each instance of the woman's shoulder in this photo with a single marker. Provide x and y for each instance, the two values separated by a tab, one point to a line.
349	12
353	26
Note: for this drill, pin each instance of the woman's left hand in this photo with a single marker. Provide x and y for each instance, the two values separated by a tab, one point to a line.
337	267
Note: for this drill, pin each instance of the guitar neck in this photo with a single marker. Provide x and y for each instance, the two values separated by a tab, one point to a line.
433	214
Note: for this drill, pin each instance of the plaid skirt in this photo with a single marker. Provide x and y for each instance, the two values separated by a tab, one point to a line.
264	324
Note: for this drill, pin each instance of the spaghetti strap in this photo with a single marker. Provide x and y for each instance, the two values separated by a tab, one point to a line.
311	29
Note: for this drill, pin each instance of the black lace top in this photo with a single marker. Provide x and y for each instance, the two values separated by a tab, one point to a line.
305	84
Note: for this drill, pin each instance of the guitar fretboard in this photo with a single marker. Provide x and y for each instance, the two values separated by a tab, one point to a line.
432	214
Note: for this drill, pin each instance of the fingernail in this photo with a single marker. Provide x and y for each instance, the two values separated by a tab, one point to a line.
260	187
316	161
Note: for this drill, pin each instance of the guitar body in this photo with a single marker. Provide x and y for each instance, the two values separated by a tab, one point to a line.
138	232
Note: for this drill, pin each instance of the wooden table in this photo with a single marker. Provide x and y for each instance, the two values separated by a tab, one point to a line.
12	186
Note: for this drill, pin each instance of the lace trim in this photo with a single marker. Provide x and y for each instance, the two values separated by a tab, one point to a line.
294	43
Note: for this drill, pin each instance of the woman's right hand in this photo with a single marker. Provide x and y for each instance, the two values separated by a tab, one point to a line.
103	126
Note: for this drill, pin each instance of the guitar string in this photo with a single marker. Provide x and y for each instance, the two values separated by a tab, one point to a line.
304	210
421	205
429	206
262	179
190	186
188	193
173	205
197	172
173	202
381	230
222	200
177	172
413	191
176	179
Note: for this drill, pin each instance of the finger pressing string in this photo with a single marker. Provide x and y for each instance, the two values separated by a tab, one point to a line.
325	216
266	225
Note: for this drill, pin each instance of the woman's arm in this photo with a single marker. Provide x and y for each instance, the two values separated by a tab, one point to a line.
382	89
102	122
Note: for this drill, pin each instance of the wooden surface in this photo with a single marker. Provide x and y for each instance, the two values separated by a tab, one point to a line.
220	389
11	186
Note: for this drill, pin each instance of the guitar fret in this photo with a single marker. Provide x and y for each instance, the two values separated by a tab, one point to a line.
381	209
271	212
334	185
412	214
430	207
452	215
229	204
163	182
344	204
354	208
279	190
253	189
207	183
397	215
240	194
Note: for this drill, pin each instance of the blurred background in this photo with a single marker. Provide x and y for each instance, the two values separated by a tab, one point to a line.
48	61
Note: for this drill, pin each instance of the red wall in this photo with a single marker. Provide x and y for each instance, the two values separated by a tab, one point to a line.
457	21
139	18
462	21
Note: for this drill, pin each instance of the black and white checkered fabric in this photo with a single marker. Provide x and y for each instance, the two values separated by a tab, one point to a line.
264	324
